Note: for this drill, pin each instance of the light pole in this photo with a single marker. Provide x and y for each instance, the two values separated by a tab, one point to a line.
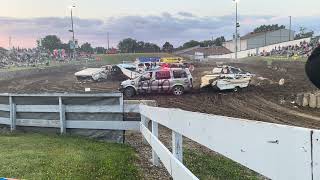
72	30
236	33
289	28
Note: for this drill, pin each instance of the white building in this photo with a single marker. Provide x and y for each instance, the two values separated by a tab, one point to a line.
256	40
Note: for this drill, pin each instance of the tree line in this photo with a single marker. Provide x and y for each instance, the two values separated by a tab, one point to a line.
52	42
130	45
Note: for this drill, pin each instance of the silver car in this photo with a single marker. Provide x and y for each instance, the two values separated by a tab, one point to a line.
170	80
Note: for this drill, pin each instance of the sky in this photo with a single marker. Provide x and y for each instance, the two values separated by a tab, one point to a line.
156	21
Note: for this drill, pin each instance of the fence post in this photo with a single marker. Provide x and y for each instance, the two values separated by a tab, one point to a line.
144	122
62	111
12	114
177	149
155	158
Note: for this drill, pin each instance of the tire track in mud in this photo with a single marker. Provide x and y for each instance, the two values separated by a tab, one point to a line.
245	105
301	119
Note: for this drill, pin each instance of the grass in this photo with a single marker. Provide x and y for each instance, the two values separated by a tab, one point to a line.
216	167
34	156
119	58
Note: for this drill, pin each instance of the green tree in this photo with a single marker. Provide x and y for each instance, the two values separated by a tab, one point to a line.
128	45
133	46
219	41
167	47
51	42
150	47
86	47
191	44
303	33
265	28
100	50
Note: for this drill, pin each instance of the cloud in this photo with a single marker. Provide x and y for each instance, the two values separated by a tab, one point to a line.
175	28
186	14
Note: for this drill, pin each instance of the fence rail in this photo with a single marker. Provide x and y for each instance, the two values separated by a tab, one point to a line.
114	107
276	151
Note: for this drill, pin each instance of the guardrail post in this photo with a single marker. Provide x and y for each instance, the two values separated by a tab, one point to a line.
155	158
12	114
177	149
62	111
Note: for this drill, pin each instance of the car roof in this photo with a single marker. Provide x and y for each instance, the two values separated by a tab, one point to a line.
167	69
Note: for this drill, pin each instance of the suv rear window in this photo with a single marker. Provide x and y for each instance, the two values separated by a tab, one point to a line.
163	75
179	74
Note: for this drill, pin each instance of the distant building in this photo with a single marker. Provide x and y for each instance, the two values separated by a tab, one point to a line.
112	51
199	53
255	40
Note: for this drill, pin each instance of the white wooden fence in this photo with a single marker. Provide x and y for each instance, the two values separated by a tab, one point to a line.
276	151
10	105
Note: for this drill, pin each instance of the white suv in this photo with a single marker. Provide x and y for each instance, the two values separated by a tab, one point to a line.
167	80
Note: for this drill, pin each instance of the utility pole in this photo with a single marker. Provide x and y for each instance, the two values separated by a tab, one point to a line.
289	28
212	46
236	34
108	41
72	30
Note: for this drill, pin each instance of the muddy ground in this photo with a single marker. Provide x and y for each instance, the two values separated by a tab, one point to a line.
264	100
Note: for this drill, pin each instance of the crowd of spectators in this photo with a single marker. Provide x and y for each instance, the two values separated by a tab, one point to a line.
19	57
303	49
28	57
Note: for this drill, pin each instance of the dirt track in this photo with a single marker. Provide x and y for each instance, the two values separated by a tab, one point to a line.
264	101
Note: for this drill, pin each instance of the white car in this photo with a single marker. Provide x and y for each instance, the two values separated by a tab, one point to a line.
231	83
95	74
227	77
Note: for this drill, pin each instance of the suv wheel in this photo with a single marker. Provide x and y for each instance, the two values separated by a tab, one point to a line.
178	90
129	92
236	89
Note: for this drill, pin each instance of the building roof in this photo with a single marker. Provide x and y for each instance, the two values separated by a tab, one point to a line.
215	50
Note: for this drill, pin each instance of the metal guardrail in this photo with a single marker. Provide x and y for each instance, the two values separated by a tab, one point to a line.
275	151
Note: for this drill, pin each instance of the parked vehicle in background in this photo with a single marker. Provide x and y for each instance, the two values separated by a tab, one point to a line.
164	80
171	60
227	77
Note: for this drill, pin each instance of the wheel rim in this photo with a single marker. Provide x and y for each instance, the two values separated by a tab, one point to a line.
177	91
128	93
